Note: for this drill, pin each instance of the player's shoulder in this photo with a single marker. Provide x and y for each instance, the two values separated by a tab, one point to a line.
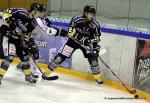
78	17
40	20
96	23
13	10
21	11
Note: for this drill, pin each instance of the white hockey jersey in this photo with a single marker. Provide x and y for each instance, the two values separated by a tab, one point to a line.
43	29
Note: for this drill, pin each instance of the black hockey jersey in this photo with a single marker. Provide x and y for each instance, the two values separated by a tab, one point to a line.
17	10
20	20
85	28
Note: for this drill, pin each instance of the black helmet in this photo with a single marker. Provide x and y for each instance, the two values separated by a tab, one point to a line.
36	6
44	7
90	9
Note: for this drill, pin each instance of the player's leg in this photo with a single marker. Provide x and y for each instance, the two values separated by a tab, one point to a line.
34	52
5	58
58	59
1	48
93	61
66	52
23	54
26	69
4	66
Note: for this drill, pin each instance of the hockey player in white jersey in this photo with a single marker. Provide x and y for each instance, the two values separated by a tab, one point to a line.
44	27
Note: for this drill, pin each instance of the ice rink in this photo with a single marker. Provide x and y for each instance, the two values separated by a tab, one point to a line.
64	90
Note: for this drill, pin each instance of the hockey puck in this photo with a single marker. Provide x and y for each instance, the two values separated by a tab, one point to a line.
136	96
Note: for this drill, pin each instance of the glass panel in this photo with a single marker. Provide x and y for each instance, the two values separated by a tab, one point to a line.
71	8
113	12
54	7
139	14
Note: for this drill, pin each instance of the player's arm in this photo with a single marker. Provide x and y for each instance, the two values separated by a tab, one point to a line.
60	31
45	25
4	30
23	28
20	24
95	41
72	30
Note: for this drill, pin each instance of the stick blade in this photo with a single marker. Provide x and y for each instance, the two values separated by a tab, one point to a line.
49	78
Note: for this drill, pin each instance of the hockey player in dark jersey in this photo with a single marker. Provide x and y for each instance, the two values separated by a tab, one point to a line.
86	30
19	24
46	28
33	49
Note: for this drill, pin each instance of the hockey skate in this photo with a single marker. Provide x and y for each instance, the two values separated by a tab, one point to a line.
30	79
33	72
99	82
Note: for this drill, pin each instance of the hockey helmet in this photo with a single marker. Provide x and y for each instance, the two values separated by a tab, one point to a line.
89	9
36	6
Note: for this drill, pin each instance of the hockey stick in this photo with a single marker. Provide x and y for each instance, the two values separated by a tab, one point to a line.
43	75
130	91
91	51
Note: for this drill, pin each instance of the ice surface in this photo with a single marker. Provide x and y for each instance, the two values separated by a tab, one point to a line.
64	90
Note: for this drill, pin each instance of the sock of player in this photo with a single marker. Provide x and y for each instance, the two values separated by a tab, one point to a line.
27	71
4	67
33	67
2	72
1	60
26	68
97	77
51	67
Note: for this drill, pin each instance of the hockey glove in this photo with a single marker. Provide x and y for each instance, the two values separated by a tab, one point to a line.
48	22
96	51
86	42
71	32
25	41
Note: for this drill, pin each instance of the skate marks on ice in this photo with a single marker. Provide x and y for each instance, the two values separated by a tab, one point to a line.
67	89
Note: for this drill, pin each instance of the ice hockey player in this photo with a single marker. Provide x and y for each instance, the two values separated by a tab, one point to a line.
43	27
33	48
86	30
17	29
